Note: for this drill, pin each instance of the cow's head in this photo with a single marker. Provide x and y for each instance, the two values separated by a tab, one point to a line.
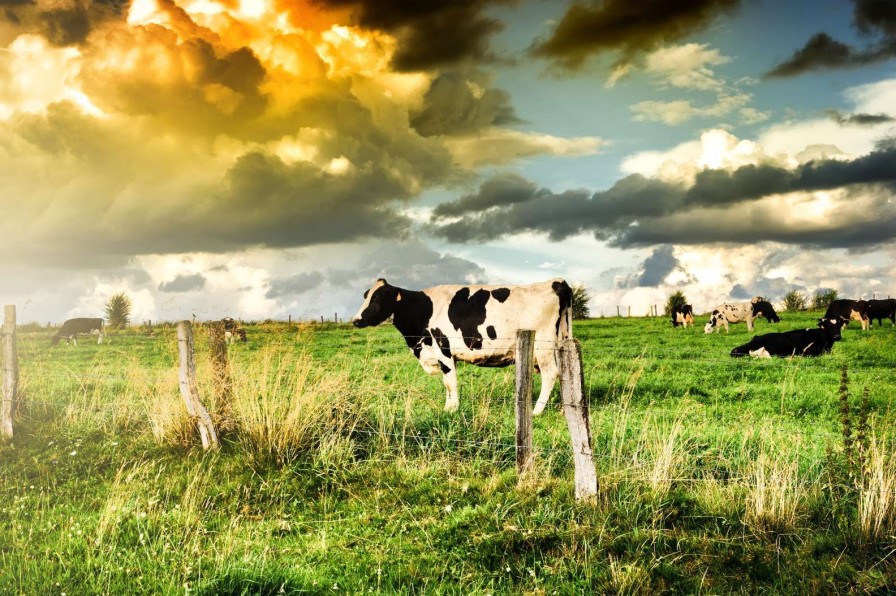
764	308
713	319
379	304
832	326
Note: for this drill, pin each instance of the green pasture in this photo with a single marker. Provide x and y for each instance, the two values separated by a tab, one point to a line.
340	473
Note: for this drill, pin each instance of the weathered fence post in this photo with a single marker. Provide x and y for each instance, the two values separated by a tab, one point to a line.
575	409
617	310
525	351
289	322
189	389
10	371
217	345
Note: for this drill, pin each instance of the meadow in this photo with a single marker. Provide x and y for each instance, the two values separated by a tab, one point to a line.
340	473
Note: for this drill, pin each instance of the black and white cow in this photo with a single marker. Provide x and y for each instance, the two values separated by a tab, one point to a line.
232	332
800	342
74	327
477	324
882	309
682	316
725	314
764	308
856	310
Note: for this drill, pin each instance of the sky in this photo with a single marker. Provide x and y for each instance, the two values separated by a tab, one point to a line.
271	158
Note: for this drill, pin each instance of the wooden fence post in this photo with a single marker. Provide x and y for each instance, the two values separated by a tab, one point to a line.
10	371
189	389
525	352
289	322
575	409
217	345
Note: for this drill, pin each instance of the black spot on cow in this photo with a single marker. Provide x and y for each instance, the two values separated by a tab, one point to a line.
410	316
467	313
501	294
564	293
493	360
441	341
490	331
445	368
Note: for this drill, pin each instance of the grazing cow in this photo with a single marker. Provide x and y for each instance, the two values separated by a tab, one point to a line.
233	333
857	310
724	314
476	324
764	308
74	327
882	309
800	342
682	316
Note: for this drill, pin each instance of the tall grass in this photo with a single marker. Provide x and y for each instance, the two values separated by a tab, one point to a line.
776	494
877	491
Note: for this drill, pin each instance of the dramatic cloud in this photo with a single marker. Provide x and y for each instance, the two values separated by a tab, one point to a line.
458	103
680	111
183	283
623	27
770	289
656	270
686	66
823	203
296	284
431	33
860	119
872	17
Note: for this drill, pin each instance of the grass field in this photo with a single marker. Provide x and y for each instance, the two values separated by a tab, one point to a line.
340	472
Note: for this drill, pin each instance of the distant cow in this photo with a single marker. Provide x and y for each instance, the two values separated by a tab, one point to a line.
724	314
882	309
682	316
232	332
475	324
800	342
764	308
856	310
74	327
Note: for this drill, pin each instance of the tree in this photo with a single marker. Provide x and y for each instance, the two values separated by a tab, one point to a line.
676	299
580	299
794	300
118	311
823	298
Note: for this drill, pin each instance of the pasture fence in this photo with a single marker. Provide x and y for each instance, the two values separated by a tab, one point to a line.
189	388
10	372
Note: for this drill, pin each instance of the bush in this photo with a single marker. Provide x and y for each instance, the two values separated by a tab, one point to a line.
118	311
794	300
580	299
823	298
676	299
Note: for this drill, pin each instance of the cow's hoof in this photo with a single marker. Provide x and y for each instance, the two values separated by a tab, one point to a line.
451	407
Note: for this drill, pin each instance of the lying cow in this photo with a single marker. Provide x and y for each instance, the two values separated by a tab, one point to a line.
764	308
856	310
800	342
882	309
475	324
725	314
74	327
682	316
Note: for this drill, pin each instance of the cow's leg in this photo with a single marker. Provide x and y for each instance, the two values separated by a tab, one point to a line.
546	359
449	379
99	339
749	323
75	340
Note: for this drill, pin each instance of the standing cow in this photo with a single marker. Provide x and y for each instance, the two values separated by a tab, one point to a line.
682	316
725	314
856	310
882	309
764	308
477	324
74	327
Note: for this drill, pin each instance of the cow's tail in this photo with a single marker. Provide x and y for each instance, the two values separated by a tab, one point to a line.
564	316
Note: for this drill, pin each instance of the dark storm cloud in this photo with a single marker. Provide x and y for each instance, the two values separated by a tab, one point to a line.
639	211
657	266
433	33
589	28
183	283
501	190
875	18
769	288
453	106
296	284
62	24
860	119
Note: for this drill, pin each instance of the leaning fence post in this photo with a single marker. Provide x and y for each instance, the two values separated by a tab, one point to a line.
10	371
217	344
525	350
189	389
575	409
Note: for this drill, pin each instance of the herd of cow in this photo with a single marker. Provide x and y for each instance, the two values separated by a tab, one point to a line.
443	325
